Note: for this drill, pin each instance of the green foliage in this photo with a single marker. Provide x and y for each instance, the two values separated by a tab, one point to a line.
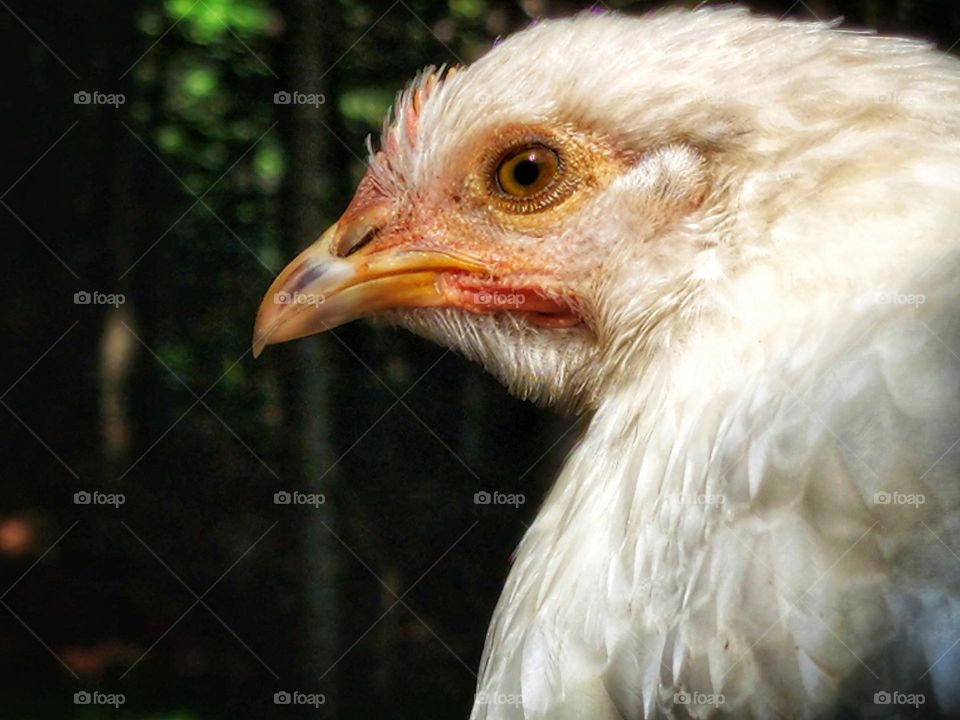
170	139
177	357
210	20
366	105
471	9
269	163
199	83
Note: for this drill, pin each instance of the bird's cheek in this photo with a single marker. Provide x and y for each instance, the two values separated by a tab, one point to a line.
483	295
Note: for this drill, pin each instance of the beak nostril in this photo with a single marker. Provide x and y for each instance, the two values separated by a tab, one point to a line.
358	227
349	245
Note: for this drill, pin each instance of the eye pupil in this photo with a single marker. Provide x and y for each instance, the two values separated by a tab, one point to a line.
526	172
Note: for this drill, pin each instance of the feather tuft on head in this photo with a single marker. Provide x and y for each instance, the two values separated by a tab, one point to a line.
400	124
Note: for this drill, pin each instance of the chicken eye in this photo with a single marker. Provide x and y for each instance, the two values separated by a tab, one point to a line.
527	171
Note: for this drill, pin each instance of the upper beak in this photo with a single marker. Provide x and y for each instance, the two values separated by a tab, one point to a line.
341	277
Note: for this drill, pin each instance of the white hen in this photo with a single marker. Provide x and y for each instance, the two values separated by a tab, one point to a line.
732	241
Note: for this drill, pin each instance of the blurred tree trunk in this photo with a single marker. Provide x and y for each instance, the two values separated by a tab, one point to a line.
118	346
311	49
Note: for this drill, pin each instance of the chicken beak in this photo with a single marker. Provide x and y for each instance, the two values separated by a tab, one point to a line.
334	281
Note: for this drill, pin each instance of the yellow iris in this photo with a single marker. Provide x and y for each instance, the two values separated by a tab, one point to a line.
527	171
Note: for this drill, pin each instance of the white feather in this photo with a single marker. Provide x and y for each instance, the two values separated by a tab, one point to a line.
763	371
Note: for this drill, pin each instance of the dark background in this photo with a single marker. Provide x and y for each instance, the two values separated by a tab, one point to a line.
199	597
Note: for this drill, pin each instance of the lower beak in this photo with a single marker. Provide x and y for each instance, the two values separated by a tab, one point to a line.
320	290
